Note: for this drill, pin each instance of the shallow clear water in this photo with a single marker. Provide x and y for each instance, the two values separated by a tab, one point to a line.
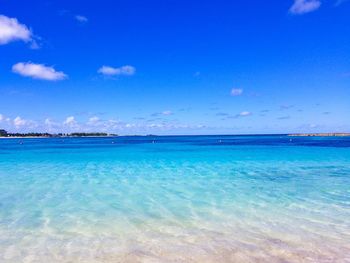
175	199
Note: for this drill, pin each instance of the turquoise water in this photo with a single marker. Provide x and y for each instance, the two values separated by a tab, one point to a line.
175	199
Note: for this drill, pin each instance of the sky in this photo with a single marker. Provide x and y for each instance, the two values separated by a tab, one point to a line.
174	66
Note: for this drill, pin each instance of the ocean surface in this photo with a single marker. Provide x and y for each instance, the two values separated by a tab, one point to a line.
175	199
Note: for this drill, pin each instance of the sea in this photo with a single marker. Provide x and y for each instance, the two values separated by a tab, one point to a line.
271	198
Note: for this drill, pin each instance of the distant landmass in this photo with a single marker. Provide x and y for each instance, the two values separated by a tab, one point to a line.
4	133
320	134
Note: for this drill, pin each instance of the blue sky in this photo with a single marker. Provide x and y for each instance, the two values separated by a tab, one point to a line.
175	67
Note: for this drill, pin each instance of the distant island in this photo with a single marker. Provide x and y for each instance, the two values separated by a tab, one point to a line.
332	134
4	133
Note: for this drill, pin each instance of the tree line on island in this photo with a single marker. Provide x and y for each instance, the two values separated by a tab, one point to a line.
4	133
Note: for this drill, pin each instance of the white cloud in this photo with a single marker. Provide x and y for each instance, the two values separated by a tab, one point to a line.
52	126
48	122
236	92
70	121
12	30
1	117
81	19
167	112
300	7
244	114
110	71
38	71
93	120
130	125
19	122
